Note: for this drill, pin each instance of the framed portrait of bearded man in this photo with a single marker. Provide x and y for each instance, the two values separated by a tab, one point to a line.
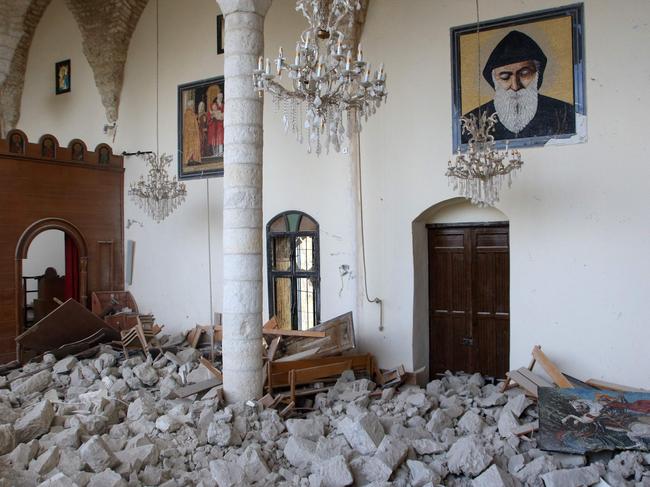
201	108
529	71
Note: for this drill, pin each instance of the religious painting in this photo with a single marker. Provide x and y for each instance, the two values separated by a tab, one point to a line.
48	147
201	108
527	71
62	77
583	420
221	29
16	143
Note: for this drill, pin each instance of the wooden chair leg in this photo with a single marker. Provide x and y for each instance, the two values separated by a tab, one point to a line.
292	384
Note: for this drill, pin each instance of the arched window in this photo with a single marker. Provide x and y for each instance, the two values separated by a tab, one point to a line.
293	270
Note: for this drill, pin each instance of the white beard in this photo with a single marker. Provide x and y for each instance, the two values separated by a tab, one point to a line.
515	109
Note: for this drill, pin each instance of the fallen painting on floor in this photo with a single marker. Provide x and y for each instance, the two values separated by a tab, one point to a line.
582	420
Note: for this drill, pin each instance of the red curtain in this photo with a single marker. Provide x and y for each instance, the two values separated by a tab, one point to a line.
71	269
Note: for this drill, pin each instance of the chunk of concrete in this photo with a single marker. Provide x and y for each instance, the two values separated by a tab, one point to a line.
364	434
311	429
300	451
335	472
58	480
495	477
572	477
421	475
23	454
254	466
35	383
517	404
439	421
107	478
65	365
471	423
35	422
391	452
46	461
507	423
97	455
468	456
7	438
226	474
146	373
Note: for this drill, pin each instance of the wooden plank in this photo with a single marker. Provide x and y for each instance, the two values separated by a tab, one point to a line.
525	383
69	323
298	356
339	337
550	368
273	348
208	365
525	429
295	333
312	374
272	324
611	386
196	388
536	379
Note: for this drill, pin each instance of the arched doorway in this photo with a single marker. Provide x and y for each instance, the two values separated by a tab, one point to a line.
451	323
79	265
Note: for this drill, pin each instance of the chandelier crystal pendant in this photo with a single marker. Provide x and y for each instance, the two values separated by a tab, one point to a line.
478	174
157	195
329	82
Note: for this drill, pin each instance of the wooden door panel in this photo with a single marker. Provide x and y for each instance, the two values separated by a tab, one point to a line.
469	299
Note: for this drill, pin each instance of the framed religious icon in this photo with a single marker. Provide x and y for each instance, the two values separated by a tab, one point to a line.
529	71
62	77
201	108
221	29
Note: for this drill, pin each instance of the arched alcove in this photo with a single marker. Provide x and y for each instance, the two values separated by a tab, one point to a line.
451	211
22	249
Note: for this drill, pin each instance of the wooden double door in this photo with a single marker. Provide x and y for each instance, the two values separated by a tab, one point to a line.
469	298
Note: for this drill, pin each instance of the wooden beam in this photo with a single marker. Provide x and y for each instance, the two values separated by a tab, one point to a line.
295	333
208	365
526	384
550	368
196	388
610	386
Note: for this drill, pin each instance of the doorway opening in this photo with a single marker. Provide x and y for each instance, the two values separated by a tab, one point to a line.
469	298
51	266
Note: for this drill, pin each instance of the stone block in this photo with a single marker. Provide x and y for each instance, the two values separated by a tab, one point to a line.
311	429
420	474
7	438
226	474
364	434
468	456
300	451
495	477
107	478
438	422
35	422
58	480
97	455
65	365
573	477
46	461
471	423
35	383
391	452
253	464
334	472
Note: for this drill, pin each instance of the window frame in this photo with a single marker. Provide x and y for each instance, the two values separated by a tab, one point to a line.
293	273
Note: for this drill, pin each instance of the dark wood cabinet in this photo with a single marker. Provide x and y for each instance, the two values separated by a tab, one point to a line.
469	296
45	187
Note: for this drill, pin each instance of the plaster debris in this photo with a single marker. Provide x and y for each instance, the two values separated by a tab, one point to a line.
455	432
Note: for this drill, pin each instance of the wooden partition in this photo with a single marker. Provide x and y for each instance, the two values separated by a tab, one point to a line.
72	189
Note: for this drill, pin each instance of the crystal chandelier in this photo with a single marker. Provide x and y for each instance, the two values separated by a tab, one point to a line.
479	173
328	81
157	195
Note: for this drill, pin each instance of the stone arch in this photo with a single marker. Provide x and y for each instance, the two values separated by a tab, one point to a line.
453	210
22	248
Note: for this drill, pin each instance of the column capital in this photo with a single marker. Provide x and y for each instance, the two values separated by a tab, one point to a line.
259	7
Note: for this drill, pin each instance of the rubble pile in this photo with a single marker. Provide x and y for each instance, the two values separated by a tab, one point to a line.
108	422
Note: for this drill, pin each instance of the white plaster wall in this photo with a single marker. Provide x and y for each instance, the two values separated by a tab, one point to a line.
46	250
171	261
578	215
320	186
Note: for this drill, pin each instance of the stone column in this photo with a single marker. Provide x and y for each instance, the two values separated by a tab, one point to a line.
242	205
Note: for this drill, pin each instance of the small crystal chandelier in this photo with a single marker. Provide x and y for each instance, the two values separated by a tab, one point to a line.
479	173
327	78
157	195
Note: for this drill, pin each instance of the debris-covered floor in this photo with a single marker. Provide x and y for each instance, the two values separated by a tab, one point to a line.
104	421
